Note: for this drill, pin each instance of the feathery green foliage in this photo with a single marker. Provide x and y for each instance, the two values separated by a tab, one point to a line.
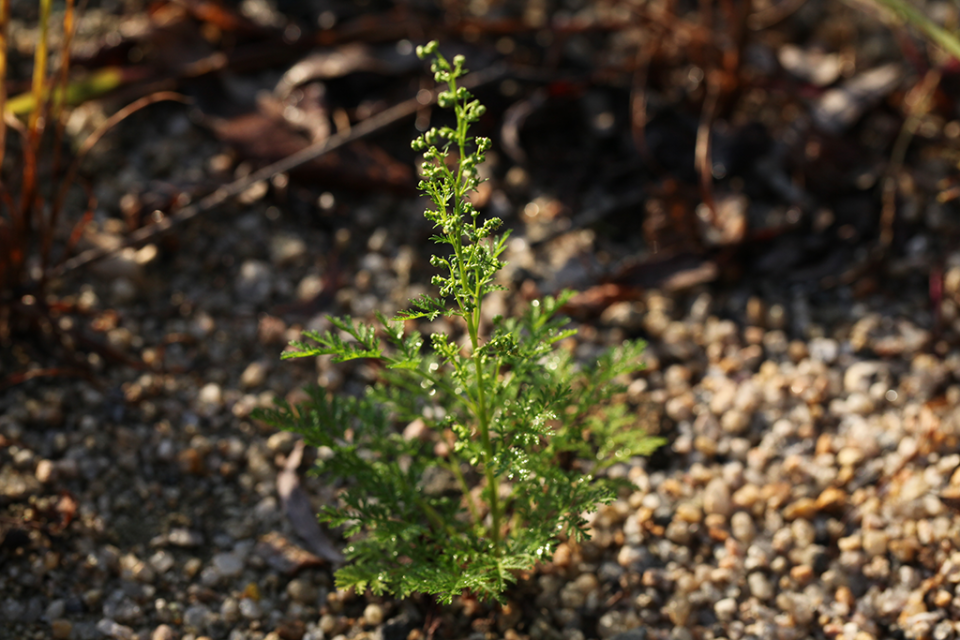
489	485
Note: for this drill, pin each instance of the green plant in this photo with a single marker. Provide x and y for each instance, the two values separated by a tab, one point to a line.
514	429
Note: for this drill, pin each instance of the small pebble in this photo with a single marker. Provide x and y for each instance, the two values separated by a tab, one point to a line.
726	609
61	629
760	586
112	629
163	632
185	538
228	564
302	591
716	498
250	609
46	471
253	376
230	610
742	527
373	615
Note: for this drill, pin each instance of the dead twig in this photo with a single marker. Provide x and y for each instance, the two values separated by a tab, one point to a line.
766	18
362	130
702	149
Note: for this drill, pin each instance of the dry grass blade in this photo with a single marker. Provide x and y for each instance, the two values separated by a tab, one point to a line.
56	112
948	41
4	22
702	150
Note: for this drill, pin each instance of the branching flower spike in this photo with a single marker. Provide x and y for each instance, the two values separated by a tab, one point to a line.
511	430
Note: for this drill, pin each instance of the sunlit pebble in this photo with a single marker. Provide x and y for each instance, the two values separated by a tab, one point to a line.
211	394
253	376
373	615
46	471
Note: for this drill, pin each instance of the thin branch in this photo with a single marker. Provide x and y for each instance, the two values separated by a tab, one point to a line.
362	130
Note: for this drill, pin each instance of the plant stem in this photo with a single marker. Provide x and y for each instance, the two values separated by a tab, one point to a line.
472	318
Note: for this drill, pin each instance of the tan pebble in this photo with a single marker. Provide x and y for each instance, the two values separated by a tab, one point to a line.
689	513
875	542
746	496
845	475
714	520
955	478
942	598
776	494
845	596
852	542
849	457
802	508
191	461
905	549
824	444
914	606
718	533
735	421
46	471
832	499
328	623
672	488
864	635
253	375
797	351
706	446
61	629
716	498
802	573
794	463
742	526
753	335
561	557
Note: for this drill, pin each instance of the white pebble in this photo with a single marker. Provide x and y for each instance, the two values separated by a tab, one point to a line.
760	586
230	610
46	471
725	609
112	629
211	394
249	609
373	615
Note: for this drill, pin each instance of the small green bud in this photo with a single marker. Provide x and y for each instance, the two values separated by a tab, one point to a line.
446	100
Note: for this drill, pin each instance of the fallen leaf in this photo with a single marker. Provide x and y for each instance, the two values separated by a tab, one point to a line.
285	556
299	512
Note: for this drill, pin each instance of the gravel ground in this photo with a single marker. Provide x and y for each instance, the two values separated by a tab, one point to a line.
810	488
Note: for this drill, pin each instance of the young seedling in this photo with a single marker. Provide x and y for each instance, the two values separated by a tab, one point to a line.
513	432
